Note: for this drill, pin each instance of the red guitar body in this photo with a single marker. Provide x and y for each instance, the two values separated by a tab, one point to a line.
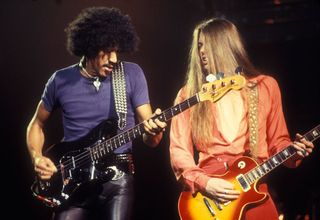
194	207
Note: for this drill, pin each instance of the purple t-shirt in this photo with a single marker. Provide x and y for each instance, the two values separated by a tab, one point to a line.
83	108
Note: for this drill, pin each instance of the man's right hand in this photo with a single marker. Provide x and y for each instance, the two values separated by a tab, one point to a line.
44	167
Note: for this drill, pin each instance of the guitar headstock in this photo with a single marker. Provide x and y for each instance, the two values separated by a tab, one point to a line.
213	91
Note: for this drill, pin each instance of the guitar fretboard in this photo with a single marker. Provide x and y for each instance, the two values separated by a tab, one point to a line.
279	158
105	147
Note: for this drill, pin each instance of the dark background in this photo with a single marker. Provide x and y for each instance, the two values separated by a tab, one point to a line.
282	38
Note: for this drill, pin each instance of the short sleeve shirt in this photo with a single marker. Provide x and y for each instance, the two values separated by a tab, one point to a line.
83	107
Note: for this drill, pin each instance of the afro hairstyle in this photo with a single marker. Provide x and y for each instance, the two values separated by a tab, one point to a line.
100	28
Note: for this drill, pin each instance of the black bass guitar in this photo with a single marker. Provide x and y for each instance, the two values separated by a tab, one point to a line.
80	163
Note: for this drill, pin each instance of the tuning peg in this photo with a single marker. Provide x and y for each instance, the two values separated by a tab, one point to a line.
204	89
220	75
211	77
239	70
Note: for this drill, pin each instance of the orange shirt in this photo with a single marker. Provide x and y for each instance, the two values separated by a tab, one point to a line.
230	134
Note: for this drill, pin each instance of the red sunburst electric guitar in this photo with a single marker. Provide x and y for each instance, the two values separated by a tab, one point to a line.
244	174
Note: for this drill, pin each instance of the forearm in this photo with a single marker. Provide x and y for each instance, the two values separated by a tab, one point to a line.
293	162
152	140
193	178
35	140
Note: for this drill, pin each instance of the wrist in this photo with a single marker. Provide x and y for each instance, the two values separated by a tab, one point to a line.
152	140
36	157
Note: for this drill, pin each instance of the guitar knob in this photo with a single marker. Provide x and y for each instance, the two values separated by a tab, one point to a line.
241	164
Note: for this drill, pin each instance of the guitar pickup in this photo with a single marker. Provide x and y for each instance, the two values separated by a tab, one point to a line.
206	202
243	183
217	204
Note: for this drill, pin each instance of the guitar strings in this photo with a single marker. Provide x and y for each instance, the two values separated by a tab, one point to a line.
84	156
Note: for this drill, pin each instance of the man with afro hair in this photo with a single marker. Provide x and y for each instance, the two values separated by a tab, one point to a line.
98	88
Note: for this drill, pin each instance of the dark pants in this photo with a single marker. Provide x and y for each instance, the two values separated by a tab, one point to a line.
112	200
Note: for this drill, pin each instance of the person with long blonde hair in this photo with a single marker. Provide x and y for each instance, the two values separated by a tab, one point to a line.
220	132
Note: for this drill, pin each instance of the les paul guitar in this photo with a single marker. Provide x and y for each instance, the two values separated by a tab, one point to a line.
79	162
244	173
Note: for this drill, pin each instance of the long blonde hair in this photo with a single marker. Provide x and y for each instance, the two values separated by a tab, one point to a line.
225	52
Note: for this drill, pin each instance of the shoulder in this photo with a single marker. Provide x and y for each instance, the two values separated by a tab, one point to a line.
268	87
134	73
266	82
131	67
66	73
269	80
67	70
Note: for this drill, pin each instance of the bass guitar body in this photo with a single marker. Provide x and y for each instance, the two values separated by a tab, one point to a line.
77	167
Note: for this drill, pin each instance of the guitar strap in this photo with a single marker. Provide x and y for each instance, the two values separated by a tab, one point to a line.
253	98
119	91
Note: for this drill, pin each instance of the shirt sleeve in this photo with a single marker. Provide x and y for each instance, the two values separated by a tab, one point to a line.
182	153
49	94
277	133
140	94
